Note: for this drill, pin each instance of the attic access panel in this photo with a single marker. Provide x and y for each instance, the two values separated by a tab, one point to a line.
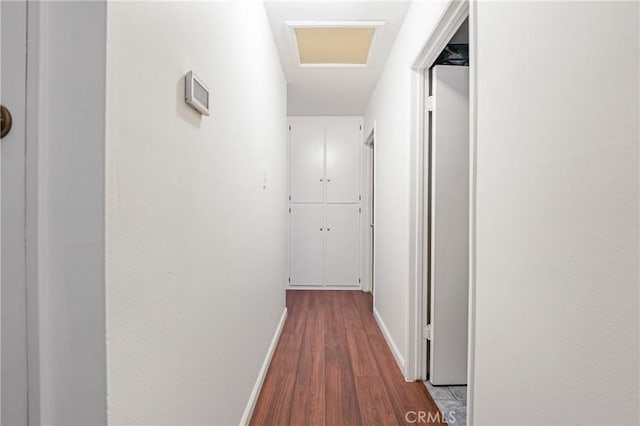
334	43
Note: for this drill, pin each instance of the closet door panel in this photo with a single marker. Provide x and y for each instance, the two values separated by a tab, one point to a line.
342	244
343	160
449	225
306	140
306	245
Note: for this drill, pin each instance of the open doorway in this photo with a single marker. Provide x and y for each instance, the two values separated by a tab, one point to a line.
445	283
369	217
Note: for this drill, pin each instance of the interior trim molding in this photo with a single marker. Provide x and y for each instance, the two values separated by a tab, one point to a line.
387	336
327	287
454	12
450	20
257	387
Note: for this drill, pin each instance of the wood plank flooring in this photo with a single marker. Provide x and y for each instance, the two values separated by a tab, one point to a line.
332	366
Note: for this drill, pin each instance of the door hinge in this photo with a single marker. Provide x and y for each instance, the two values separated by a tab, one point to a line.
359	197
289	127
360	127
289	209
289	279
429	103
289	197
359	280
427	332
359	209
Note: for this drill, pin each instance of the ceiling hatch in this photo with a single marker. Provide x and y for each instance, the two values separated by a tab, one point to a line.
334	43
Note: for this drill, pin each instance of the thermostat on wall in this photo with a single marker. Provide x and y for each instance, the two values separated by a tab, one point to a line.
196	93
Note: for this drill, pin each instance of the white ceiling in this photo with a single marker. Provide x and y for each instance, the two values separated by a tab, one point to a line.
333	90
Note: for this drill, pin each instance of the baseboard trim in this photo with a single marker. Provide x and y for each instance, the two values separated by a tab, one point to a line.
329	287
255	393
385	332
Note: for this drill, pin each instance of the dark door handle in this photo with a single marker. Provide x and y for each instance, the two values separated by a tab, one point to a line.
5	121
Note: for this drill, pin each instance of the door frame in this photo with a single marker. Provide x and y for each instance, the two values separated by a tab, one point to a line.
368	187
453	15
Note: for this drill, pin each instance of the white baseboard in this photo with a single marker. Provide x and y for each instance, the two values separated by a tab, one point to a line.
328	287
385	332
255	393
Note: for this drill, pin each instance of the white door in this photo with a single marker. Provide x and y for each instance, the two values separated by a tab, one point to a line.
306	139
449	225
306	245
12	217
343	160
343	244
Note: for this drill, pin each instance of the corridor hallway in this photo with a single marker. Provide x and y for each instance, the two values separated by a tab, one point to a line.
332	366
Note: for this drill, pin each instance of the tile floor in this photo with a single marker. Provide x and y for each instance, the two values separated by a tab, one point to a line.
452	401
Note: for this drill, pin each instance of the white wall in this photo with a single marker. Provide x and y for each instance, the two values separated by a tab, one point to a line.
462	35
556	279
196	247
71	214
390	108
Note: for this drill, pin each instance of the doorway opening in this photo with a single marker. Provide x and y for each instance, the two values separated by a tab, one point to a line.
368	230
442	338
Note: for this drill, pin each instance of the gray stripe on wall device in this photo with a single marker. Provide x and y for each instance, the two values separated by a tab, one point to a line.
196	93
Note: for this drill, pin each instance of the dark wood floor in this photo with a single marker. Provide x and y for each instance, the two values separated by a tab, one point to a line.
332	366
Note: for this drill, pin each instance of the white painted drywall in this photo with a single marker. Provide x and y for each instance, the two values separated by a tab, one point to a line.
556	278
390	108
71	213
196	210
462	35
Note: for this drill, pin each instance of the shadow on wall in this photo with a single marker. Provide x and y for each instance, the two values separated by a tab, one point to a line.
183	110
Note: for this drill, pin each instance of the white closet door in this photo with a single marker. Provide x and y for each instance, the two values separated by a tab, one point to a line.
307	161
342	241
449	225
306	244
343	160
